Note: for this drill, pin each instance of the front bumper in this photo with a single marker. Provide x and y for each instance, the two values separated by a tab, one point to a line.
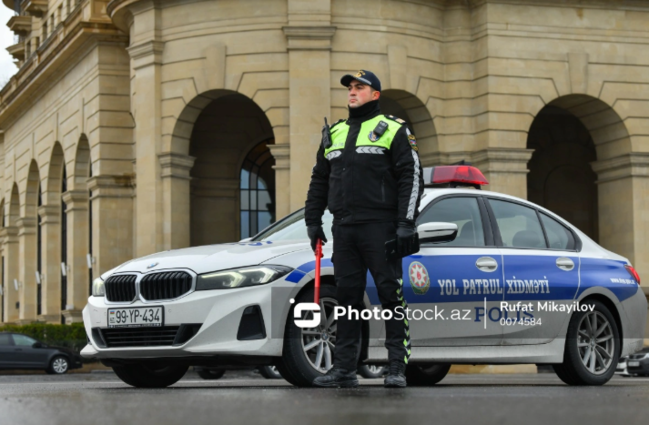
217	315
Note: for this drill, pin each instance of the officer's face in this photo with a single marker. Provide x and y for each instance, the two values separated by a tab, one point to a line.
359	94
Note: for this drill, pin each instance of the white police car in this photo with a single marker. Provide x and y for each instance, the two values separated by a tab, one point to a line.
518	284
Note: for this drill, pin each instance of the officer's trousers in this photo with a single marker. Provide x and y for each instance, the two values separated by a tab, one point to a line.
356	249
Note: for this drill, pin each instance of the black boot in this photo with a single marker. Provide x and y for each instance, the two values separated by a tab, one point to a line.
396	376
337	377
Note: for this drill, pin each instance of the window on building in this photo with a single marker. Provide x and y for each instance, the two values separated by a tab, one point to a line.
39	244
64	247
257	190
90	274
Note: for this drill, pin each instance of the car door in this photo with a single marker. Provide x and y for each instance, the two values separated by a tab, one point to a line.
26	354
459	282
6	350
541	266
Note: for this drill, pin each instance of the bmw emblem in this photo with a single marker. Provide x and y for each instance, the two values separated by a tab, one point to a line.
152	265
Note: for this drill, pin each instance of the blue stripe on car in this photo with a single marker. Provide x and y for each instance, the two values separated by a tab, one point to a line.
563	285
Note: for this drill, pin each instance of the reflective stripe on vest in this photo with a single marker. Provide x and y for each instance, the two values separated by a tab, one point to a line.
339	135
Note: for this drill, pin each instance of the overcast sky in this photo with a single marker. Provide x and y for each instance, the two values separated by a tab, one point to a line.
7	67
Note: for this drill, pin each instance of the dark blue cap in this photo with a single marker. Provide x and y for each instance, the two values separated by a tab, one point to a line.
365	77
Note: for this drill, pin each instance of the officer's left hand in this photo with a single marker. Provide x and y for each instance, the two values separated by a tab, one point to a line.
405	239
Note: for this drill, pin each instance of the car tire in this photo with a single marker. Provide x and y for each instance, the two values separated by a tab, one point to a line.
269	372
150	375
371	371
294	366
580	365
210	373
425	375
58	365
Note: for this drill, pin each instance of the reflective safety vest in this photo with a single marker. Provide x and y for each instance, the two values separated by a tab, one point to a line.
340	130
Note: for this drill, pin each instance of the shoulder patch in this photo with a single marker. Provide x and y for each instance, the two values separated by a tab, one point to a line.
336	123
393	118
412	140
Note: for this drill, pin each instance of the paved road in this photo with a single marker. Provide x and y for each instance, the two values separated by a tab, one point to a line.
244	397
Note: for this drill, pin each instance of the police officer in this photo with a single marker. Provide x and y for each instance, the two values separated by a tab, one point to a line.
369	176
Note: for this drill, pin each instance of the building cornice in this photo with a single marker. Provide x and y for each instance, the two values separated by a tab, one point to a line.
35	75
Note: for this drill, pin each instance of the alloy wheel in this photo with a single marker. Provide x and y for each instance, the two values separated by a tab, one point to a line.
595	342
60	365
318	343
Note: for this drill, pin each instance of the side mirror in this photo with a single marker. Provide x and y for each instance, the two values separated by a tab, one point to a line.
436	232
37	345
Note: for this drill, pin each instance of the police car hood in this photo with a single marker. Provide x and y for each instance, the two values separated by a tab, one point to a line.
208	258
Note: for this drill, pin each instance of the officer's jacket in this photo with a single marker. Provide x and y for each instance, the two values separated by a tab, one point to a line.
361	180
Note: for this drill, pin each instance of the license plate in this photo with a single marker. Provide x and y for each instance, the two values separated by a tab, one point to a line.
135	317
633	364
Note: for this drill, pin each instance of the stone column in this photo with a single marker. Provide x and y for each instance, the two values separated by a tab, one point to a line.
282	167
146	104
10	252
622	187
50	263
309	36
27	269
78	278
505	169
112	221
175	170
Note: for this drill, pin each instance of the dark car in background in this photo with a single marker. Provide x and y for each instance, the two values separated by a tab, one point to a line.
18	351
638	363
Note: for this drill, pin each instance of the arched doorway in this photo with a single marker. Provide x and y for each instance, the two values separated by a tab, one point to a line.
408	107
230	136
560	177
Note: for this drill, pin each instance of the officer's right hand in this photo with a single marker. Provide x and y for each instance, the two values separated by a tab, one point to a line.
315	233
406	239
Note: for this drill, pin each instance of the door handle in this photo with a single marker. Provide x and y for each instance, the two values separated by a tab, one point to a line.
565	263
486	264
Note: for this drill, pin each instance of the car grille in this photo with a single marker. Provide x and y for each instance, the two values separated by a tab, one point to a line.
120	288
638	356
139	337
165	285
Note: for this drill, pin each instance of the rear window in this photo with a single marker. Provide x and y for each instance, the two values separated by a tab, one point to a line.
559	237
5	339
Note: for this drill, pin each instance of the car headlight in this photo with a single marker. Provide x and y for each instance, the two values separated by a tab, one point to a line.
240	278
98	289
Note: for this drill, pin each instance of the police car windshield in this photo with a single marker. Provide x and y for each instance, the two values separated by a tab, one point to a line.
293	227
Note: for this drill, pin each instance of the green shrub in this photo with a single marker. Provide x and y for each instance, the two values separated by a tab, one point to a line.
71	336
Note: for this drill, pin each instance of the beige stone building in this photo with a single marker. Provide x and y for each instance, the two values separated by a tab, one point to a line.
135	126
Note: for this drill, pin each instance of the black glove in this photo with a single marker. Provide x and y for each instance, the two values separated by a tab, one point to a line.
407	240
315	233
